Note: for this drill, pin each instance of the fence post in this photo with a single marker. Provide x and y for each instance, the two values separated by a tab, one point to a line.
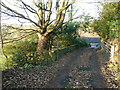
112	53
101	44
0	78
57	50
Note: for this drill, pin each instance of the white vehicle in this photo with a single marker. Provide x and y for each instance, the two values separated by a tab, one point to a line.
94	45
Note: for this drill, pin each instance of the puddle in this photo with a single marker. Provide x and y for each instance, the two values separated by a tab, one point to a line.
84	68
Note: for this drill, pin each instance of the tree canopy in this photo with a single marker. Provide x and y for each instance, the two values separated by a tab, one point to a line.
108	23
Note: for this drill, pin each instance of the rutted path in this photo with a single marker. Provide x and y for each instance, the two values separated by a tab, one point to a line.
82	71
97	78
59	81
77	69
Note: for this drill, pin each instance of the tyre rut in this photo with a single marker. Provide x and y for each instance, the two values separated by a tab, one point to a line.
81	64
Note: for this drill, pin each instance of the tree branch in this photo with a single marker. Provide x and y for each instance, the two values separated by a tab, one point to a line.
28	7
21	29
17	39
19	14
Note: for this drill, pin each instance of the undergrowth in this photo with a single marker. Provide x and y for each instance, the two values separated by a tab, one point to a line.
24	55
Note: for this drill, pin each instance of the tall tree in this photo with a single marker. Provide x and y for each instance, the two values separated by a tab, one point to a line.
42	10
108	23
70	13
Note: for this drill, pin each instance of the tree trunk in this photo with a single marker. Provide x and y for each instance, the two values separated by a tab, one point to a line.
43	42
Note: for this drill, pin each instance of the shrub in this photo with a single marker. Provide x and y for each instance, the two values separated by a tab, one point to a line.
37	57
18	51
6	63
82	42
66	35
24	54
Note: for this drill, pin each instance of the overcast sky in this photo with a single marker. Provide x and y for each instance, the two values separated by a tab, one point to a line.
88	7
83	6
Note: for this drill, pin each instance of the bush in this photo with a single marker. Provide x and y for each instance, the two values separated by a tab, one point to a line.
18	51
66	35
24	53
6	63
21	47
82	42
37	57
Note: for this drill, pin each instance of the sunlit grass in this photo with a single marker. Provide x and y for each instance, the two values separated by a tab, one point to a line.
6	63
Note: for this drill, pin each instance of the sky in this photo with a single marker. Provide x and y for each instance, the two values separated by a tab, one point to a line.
83	6
89	7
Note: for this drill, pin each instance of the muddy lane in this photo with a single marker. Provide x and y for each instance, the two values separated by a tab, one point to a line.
97	80
82	70
78	69
59	80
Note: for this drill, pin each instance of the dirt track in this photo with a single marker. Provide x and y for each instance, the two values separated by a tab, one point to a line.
83	71
78	69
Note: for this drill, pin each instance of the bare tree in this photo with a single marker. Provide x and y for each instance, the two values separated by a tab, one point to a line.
1	46
42	10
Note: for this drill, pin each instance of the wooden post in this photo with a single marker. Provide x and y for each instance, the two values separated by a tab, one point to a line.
112	53
0	79
57	50
119	45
